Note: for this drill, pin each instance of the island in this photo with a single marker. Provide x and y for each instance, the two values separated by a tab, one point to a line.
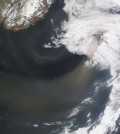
20	14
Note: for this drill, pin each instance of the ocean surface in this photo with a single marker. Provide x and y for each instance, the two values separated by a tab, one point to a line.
61	75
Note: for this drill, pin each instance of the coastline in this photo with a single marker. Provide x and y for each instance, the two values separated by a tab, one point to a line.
20	15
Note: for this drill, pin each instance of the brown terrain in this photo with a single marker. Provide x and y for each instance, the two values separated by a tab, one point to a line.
20	14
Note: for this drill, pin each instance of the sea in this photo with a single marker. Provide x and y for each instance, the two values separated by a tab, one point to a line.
62	74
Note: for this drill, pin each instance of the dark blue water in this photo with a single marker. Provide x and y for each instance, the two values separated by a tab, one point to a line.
39	87
23	52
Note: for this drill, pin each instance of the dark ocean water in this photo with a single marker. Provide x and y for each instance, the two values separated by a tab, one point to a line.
40	86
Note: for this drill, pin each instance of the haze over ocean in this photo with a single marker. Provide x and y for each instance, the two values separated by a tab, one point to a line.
61	75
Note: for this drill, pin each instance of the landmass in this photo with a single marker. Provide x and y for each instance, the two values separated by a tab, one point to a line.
20	14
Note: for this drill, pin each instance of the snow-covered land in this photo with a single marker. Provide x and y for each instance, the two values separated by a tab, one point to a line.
19	14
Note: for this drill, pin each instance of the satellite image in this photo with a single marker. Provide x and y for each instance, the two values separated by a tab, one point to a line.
59	66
